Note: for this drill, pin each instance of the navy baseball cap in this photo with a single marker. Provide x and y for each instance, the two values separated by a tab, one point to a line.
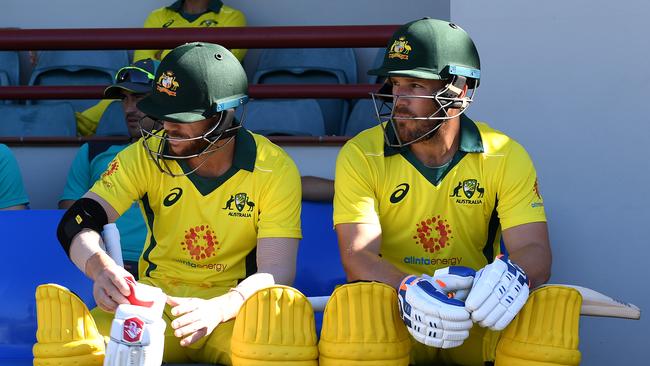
136	78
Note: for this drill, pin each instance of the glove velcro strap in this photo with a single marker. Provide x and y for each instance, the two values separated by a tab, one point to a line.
361	326
546	330
275	326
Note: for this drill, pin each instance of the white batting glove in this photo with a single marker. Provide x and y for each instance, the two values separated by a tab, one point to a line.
500	290
138	330
454	281
430	312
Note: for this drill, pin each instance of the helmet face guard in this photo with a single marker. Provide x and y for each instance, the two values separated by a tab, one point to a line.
156	143
443	100
194	82
428	49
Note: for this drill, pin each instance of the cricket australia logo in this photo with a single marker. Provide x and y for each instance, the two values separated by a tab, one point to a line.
167	83
400	49
241	202
471	188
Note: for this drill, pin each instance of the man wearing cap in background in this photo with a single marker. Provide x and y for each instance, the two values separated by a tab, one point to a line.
132	83
134	78
422	201
223	210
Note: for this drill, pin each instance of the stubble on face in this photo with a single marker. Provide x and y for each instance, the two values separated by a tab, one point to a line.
411	129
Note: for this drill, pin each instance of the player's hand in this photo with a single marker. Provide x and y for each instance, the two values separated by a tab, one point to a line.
196	318
110	287
500	290
138	330
430	312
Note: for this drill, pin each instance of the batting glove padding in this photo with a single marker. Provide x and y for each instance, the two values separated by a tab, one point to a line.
500	290
431	316
138	330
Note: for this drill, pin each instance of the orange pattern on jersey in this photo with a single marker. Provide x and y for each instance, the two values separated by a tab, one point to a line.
536	189
200	242
426	234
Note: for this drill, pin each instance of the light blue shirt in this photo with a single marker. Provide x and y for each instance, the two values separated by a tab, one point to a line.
83	173
12	192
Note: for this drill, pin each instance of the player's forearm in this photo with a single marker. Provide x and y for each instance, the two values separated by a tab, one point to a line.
87	245
368	266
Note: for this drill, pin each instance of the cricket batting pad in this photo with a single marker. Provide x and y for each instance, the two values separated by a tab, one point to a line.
67	334
545	332
361	326
275	326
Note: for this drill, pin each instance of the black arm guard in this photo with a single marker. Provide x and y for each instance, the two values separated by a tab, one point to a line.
85	213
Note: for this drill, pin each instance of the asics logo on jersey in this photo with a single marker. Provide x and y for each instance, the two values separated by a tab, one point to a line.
173	197
400	192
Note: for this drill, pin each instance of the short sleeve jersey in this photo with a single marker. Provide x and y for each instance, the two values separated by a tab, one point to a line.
433	218
218	15
12	192
204	231
81	176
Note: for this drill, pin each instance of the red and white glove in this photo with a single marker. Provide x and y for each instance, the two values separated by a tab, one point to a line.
138	330
500	290
431	313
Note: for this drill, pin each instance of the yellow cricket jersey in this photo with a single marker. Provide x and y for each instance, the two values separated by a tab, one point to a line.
218	15
204	232
434	218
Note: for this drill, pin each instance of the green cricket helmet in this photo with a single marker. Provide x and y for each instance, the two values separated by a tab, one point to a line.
194	82
430	49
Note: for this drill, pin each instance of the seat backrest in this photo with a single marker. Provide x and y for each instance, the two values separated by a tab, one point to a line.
112	122
100	60
38	120
294	117
379	59
361	117
340	62
10	66
311	66
77	68
9	71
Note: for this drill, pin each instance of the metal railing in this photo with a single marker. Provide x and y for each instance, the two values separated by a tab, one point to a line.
231	37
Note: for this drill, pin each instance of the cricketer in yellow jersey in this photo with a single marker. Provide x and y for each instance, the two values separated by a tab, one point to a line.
222	206
192	14
422	202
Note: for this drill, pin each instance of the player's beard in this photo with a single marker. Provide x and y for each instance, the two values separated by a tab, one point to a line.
412	129
187	148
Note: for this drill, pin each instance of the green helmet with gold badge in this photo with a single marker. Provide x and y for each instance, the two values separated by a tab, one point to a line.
430	49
